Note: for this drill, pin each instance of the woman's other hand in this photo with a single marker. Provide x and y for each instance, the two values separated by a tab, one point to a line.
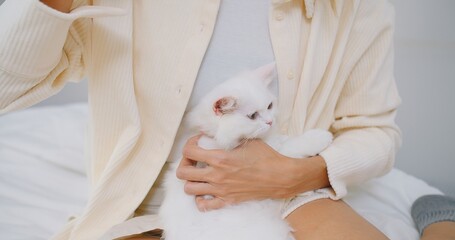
60	5
252	171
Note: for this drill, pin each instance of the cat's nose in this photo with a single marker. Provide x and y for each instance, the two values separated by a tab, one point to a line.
269	123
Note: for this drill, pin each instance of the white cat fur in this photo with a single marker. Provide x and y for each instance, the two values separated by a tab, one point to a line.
225	126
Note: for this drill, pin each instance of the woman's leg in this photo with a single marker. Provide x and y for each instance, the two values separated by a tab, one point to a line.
150	235
143	238
439	231
328	219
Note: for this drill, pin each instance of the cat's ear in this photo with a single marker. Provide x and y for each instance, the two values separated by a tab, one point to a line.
266	72
225	105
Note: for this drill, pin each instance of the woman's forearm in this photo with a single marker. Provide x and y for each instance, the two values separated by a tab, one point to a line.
60	5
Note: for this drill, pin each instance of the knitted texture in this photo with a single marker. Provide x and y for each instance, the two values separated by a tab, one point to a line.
431	209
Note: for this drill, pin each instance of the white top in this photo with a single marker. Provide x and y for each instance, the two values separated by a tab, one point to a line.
240	42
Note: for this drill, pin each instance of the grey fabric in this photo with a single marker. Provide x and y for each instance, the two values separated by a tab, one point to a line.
431	209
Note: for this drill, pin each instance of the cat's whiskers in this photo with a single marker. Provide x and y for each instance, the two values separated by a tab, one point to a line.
253	136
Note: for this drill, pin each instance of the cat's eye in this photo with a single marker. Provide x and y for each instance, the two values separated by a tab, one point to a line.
270	105
253	116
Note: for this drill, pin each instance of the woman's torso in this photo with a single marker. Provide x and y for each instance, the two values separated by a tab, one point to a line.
240	41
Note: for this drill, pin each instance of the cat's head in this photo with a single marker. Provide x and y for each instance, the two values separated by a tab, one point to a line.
241	108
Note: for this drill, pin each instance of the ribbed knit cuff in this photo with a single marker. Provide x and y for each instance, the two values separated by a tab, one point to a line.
33	35
336	168
356	156
432	209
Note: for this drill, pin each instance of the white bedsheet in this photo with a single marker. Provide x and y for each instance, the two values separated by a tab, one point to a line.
43	181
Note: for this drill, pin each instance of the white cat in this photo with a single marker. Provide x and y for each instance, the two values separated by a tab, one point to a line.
241	108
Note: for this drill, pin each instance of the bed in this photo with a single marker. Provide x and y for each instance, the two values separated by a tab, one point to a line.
42	152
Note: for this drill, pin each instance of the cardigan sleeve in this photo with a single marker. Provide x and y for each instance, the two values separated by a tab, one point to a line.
41	49
366	136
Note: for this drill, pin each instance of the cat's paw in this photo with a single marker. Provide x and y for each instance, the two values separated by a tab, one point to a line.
310	143
319	137
320	140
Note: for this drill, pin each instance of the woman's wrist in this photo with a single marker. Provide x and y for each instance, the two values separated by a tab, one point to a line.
307	174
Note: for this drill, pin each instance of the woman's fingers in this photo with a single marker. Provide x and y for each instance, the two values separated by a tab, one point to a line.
199	188
208	204
189	172
192	151
192	154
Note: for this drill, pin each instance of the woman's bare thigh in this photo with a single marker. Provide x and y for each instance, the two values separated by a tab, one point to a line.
328	219
143	238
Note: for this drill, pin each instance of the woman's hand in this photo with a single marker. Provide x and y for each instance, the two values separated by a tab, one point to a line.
60	5
252	171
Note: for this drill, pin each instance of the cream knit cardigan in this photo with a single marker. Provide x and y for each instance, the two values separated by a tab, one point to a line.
335	69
